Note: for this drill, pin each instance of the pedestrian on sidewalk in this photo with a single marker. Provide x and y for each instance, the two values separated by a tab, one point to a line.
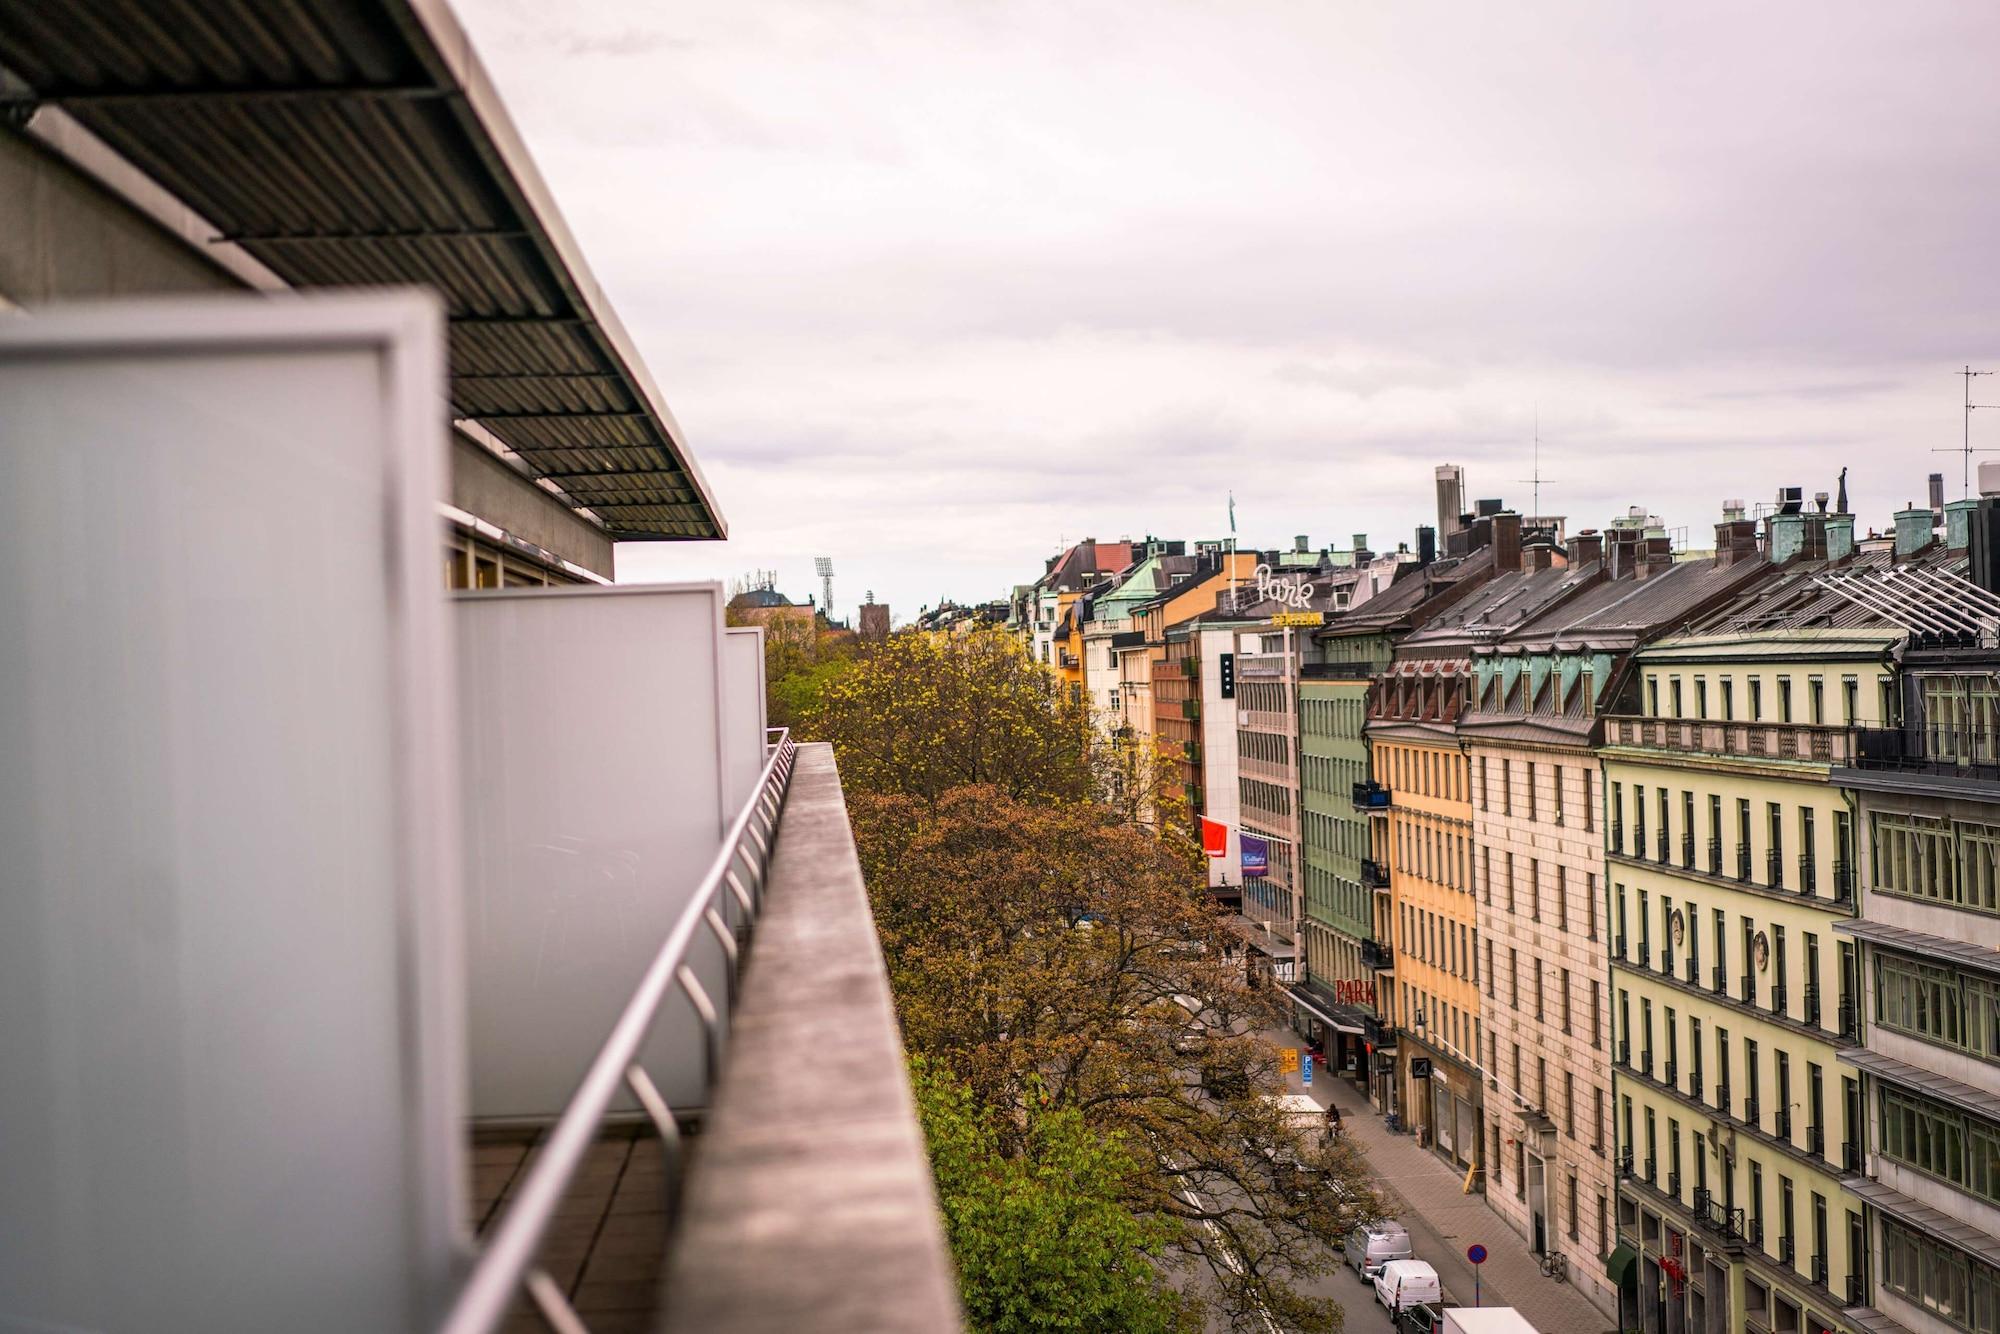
1332	1121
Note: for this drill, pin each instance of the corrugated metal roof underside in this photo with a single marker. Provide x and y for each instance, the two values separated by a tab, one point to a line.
1926	1219
332	141
1921	944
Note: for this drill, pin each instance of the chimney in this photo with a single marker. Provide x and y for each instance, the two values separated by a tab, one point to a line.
1913	531
1839	536
1813	536
1958	523
1937	497
1819	501
1506	541
1426	544
1982	555
1656	552
1450	498
1538	553
1585	547
1489	508
1301	544
1785	534
1735	536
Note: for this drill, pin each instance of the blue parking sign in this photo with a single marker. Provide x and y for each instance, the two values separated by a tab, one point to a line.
1306	1069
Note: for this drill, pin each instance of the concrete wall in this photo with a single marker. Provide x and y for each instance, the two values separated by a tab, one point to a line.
64	237
481	484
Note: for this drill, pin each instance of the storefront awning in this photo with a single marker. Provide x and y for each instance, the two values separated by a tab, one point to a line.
1261	939
1619	1263
1344	1018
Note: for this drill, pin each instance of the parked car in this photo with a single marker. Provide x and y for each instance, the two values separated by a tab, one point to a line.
1373	1245
1407	1282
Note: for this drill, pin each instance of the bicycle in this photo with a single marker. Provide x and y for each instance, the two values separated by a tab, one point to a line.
1555	1265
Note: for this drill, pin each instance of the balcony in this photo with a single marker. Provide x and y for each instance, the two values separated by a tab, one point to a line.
1843	881
1741	740
1939	752
1646	1062
1783	1127
1743	862
1749	988
1774	869
1722	1098
1849	1025
1718	981
1693	969
1715	856
1668	1073
1808	873
1819	1270
1191	709
1371	796
1778	998
1625	1052
1723	1223
1191	751
1617	836
1374	874
1788	1250
1811	998
1378	956
1687	850
1816	1141
1752	1110
1661	846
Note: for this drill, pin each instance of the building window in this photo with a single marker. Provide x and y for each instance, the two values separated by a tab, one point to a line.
1701	697
1943	1280
1756	699
1728	700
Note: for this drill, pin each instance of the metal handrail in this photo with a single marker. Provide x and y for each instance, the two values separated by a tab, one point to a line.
506	1262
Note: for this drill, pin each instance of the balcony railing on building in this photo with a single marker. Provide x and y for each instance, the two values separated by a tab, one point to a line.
1374	874
1762	741
1371	796
1943	751
1376	955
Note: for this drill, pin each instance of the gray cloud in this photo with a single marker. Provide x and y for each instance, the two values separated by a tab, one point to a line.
935	287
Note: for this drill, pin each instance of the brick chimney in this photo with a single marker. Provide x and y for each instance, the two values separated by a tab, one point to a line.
1506	541
1585	547
1735	537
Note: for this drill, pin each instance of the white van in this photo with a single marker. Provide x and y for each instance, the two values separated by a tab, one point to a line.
1405	1283
1373	1245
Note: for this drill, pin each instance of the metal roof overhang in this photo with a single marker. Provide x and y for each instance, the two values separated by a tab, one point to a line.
355	143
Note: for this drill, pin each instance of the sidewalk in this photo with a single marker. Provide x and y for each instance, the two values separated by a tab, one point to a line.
1443	1220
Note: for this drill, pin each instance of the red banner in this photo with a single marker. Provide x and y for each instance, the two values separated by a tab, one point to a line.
1214	838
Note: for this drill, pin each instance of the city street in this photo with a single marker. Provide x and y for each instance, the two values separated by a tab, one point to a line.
1428	1199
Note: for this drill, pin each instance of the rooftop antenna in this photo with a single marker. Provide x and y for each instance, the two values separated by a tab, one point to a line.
1536	480
1965	447
823	567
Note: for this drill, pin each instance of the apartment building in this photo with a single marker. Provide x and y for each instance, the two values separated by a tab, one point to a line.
1346	877
1926	789
1419	756
1730	858
1539	688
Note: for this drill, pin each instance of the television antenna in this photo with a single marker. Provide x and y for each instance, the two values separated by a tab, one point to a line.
1536	480
823	567
1965	447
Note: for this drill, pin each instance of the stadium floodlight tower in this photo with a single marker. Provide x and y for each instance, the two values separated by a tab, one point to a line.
823	567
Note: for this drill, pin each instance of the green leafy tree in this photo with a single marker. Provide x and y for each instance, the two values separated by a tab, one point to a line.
1042	1238
922	713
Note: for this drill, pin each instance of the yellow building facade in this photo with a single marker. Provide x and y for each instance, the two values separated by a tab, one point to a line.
1729	862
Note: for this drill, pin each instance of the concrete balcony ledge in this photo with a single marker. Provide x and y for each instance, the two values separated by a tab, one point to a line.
809	1201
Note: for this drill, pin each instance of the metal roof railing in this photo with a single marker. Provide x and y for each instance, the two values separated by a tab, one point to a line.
506	1261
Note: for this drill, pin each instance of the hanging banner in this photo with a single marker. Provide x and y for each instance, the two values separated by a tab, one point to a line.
1256	855
1214	838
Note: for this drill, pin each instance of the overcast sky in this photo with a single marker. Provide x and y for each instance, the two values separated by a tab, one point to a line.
933	288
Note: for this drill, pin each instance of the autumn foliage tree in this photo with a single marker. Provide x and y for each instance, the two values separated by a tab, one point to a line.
1056	951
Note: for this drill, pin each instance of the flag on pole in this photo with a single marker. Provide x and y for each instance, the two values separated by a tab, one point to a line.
1232	513
1214	838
